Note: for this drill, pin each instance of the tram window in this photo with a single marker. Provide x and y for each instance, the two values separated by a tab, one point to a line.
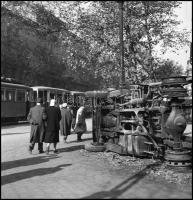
2	95
35	95
10	95
31	97
45	96
81	100
145	89
136	94
59	98
67	98
75	100
40	94
28	96
52	95
21	96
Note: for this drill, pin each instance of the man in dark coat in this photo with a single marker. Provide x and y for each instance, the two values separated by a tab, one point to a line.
66	121
53	114
37	117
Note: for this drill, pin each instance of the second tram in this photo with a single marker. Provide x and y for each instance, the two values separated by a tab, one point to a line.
47	93
15	101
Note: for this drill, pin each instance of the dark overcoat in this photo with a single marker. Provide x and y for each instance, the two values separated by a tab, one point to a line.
52	124
66	121
37	117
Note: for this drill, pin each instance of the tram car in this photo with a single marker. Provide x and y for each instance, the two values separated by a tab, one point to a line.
48	93
15	101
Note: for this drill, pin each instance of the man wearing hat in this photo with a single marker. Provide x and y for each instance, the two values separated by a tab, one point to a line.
37	117
65	122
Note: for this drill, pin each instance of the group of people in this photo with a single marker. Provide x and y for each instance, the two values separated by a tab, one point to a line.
47	123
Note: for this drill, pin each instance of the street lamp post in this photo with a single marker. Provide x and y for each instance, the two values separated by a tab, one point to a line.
122	80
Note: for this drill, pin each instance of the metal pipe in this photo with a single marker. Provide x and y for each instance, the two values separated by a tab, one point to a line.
122	80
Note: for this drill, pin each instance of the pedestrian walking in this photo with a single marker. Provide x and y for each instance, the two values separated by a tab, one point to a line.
71	108
65	122
80	124
37	117
53	125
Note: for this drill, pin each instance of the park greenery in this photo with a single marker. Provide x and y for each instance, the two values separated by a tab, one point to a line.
81	42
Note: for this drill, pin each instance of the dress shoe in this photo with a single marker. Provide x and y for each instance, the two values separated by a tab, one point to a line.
47	150
65	142
30	150
56	151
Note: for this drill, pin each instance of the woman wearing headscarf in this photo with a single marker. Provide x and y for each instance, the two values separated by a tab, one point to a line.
53	114
80	124
66	121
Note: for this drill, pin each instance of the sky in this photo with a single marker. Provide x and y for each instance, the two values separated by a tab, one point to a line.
184	13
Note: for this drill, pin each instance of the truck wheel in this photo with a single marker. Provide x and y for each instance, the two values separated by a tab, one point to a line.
94	148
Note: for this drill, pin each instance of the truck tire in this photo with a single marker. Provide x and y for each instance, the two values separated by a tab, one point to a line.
94	148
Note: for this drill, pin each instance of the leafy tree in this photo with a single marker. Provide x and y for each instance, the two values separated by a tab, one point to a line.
150	24
146	24
168	68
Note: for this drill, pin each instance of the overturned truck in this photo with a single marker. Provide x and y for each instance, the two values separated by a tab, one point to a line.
144	120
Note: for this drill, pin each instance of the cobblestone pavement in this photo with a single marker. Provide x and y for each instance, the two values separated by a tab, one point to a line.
73	173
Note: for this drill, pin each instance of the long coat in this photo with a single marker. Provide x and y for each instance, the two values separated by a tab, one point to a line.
36	118
66	121
80	125
52	124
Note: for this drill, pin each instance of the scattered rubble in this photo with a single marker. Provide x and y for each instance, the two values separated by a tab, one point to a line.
161	170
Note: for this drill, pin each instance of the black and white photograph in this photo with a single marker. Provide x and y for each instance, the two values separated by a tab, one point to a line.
96	99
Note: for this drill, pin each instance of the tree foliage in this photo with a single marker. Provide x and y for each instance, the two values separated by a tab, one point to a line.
81	40
168	68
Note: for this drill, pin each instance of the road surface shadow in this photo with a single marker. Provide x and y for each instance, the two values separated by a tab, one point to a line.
72	148
26	162
10	126
13	133
31	173
122	187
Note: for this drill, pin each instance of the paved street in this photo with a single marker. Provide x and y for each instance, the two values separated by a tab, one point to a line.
71	173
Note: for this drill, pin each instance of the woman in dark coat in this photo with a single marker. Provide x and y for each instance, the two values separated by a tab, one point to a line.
53	125
66	121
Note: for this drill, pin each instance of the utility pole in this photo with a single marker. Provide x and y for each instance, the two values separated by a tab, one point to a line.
122	80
